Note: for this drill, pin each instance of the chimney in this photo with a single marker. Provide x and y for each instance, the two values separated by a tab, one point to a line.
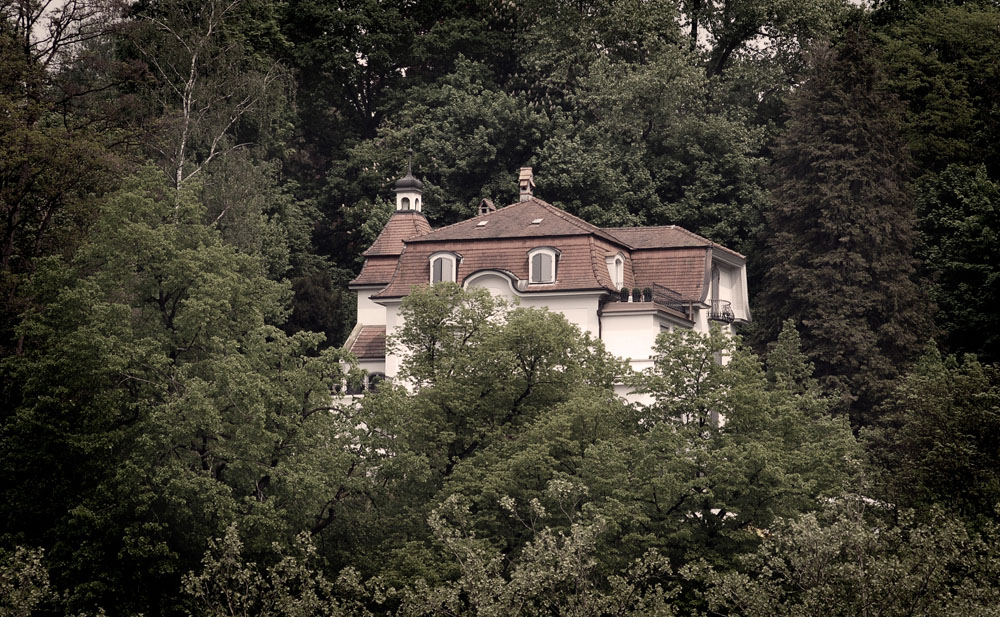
486	206
526	183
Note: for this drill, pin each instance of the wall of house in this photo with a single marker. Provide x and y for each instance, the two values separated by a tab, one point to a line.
369	313
393	320
580	310
631	335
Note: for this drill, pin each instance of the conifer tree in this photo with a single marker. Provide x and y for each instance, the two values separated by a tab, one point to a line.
840	231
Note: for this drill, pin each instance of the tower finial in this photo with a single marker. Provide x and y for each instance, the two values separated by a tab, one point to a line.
408	188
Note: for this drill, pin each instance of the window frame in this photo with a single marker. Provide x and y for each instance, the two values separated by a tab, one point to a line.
616	269
448	259
553	254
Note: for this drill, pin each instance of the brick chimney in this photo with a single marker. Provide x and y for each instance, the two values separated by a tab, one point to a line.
526	183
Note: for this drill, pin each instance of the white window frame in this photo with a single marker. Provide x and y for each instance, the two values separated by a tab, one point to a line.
535	278
616	269
448	267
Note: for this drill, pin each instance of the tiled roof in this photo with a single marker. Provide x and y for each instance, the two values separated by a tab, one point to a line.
668	236
581	264
518	221
500	240
376	271
683	270
402	225
369	343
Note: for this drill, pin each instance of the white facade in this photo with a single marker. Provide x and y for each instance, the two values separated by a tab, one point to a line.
627	329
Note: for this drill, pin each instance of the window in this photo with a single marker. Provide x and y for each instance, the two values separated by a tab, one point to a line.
443	267
616	270
542	265
406	203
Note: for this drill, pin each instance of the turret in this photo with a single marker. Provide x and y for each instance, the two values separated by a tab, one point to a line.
409	190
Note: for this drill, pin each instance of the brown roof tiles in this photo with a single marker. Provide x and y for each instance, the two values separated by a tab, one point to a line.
376	271
517	221
683	269
402	225
667	236
369	343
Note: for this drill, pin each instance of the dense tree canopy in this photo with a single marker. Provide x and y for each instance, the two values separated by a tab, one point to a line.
186	188
840	248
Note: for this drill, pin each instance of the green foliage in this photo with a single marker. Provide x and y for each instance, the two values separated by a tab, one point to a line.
24	582
939	441
960	214
229	586
941	63
555	573
718	454
469	136
164	403
841	231
845	561
161	387
647	145
481	369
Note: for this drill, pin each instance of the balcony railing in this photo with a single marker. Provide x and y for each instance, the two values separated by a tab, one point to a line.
722	310
668	297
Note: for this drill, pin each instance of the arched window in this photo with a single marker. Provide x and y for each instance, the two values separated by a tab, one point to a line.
542	265
406	203
443	267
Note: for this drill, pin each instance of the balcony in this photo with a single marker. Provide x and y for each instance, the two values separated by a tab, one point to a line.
722	310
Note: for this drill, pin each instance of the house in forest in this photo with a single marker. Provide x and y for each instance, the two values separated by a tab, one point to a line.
623	285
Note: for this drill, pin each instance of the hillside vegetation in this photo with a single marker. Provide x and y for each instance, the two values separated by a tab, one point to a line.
187	187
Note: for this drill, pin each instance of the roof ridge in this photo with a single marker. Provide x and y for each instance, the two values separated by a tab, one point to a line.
456	223
675	227
688	232
576	221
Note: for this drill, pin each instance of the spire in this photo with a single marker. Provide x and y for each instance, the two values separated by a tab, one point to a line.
408	189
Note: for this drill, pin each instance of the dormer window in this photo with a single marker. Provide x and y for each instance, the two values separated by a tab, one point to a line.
443	267
542	265
616	269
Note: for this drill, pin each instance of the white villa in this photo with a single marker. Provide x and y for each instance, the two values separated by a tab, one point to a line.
545	257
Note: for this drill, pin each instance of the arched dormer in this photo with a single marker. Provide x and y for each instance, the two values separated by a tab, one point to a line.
616	269
542	265
443	267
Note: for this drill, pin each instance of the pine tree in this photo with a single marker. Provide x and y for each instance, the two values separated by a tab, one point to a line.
841	230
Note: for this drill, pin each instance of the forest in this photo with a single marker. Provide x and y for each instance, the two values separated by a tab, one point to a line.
187	187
